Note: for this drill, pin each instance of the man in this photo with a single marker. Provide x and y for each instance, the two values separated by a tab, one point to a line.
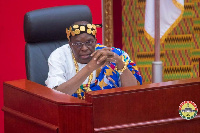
83	65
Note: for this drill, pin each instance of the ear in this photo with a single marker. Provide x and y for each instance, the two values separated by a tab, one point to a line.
70	43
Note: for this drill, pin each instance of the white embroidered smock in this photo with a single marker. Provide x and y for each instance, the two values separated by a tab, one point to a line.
62	68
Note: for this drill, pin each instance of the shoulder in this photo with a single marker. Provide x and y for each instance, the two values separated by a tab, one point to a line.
99	46
60	52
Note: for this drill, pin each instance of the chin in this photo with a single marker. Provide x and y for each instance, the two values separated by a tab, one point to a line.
84	61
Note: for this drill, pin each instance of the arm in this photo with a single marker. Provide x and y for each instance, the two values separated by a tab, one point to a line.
127	78
130	75
70	86
60	75
75	82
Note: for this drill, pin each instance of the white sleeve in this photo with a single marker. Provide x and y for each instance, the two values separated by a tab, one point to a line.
56	75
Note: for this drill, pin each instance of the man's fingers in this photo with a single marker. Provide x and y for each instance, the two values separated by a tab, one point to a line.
111	60
105	57
105	52
93	53
111	54
101	59
97	55
106	63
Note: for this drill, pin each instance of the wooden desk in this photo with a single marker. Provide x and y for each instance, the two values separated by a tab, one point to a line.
30	107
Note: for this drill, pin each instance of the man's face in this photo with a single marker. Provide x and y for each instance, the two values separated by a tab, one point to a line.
82	52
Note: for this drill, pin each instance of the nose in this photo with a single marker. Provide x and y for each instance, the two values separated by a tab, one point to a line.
84	47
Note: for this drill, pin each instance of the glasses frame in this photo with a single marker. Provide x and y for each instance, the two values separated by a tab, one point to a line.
89	43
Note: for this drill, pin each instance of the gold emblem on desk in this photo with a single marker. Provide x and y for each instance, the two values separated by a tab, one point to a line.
188	110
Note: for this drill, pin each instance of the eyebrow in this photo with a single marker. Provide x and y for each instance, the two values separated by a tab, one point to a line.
88	39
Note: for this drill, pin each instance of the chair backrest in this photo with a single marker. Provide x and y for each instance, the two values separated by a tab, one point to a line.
44	31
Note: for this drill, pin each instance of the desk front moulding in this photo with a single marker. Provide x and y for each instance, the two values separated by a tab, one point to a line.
152	108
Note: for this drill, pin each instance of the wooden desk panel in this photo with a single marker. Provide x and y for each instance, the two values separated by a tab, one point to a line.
30	107
142	104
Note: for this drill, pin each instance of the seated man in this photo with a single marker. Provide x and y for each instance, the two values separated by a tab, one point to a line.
83	65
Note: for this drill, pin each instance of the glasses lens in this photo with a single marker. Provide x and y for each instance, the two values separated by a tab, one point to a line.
88	43
77	44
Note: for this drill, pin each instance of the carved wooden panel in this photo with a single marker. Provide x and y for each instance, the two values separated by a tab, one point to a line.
107	22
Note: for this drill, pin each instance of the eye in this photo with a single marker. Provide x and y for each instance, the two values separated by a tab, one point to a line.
78	43
90	42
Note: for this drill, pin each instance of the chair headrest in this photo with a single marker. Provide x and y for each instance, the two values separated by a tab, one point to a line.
49	24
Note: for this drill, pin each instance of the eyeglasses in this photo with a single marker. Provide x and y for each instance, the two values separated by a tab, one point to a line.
88	43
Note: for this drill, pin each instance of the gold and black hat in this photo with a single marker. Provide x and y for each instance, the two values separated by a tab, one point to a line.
79	29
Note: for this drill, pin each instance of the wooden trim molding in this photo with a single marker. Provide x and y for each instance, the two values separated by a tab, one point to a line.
155	123
107	22
30	119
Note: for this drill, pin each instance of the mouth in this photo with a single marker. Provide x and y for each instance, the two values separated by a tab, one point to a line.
86	56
